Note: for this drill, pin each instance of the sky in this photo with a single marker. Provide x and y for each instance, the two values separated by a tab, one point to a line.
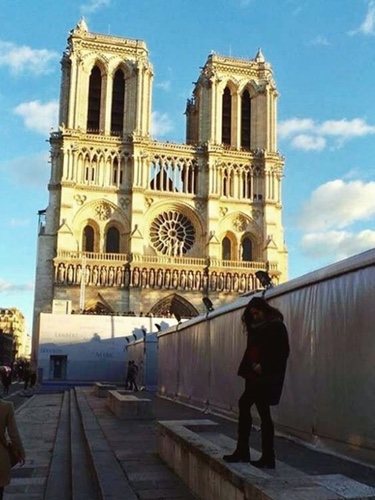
322	55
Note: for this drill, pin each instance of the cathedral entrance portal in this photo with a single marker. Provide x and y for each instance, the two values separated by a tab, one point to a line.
174	304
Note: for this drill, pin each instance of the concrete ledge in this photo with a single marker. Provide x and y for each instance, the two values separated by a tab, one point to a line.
101	389
198	462
126	406
112	481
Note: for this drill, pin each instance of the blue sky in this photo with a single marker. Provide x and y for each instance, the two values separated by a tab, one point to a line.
322	54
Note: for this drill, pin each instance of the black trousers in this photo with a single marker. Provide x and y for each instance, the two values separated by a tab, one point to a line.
254	395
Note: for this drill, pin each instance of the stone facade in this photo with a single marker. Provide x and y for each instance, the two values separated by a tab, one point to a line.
135	224
12	323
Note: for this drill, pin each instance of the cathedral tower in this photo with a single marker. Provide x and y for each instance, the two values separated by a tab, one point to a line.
135	224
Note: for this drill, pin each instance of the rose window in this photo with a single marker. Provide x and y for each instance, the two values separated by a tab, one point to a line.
172	233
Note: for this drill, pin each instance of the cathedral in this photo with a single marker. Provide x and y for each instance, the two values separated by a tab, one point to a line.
148	227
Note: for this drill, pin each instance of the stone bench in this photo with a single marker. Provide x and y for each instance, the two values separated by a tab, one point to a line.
127	406
196	457
101	389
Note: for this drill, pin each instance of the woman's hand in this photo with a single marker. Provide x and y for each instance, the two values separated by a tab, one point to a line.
257	368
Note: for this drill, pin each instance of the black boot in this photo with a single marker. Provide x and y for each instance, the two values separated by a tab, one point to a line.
264	463
238	456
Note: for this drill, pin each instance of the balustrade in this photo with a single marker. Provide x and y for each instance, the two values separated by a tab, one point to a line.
156	271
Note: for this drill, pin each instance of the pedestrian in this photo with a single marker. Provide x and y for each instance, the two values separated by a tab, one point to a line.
127	380
26	376
132	374
263	368
32	378
6	379
8	427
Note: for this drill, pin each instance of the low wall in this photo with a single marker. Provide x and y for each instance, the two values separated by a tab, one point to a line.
329	388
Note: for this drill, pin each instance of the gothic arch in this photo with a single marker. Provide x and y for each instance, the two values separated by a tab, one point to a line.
92	60
125	66
251	86
89	223
229	246
174	304
101	214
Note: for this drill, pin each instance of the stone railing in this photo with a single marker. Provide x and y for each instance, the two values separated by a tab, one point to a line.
152	271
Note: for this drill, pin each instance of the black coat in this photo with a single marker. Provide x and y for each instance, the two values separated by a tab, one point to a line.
268	342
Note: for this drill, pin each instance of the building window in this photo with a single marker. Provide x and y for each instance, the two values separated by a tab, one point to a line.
112	242
118	101
247	249
88	239
245	120
227	117
93	111
226	248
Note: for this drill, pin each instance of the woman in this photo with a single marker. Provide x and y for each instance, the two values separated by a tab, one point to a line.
263	368
8	432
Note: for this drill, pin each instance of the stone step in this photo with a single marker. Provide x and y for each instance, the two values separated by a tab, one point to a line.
84	481
58	484
112	481
197	458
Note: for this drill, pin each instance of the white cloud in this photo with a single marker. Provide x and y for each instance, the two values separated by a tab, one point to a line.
6	287
346	129
31	170
24	59
337	245
165	85
308	142
37	116
368	25
320	40
338	204
306	134
292	126
14	222
93	5
160	124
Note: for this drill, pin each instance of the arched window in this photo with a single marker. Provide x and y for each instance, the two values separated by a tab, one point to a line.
88	239
112	242
227	117
93	111
118	101
245	120
226	248
247	249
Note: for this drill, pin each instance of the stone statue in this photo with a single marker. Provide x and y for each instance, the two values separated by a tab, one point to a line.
136	277
175	279
151	279
144	276
183	279
61	273
111	276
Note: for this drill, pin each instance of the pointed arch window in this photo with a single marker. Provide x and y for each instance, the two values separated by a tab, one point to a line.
93	111
112	241
226	249
88	239
247	249
245	120
226	117
118	103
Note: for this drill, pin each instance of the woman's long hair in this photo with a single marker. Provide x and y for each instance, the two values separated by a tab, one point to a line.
270	313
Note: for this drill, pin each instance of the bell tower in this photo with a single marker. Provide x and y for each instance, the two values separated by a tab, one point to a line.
106	84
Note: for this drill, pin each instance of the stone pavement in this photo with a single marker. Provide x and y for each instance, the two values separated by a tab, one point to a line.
76	448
